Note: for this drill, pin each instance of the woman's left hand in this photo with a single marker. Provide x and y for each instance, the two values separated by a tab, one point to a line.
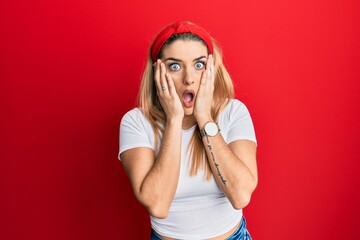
204	96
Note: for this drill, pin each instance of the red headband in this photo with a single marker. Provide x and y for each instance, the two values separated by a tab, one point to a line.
176	28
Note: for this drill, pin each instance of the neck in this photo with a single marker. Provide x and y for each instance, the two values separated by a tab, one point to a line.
188	122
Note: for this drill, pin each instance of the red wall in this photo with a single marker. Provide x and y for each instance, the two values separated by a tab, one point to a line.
70	69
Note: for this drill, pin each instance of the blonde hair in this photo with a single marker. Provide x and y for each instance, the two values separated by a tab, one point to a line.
151	107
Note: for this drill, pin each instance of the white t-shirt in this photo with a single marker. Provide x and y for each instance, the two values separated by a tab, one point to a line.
199	209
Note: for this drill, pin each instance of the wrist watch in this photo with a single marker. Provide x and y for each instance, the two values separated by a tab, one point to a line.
210	129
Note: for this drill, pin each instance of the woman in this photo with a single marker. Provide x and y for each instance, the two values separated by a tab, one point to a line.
189	150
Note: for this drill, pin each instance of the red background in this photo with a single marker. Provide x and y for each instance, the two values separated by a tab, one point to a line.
70	70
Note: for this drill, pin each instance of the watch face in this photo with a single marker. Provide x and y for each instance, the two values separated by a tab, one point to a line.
211	129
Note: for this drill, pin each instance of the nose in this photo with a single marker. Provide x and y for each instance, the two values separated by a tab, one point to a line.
188	77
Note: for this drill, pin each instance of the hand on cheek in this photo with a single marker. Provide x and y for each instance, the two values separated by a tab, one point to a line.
204	97
166	92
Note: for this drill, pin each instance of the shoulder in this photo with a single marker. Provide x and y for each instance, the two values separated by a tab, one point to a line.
135	131
234	106
235	122
134	115
135	120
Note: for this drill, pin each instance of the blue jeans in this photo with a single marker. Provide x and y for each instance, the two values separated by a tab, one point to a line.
240	234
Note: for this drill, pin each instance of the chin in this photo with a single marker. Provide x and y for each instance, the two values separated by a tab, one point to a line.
188	111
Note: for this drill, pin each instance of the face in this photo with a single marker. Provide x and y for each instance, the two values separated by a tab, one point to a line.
185	61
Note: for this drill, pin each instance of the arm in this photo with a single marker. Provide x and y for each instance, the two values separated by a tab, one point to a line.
234	165
154	181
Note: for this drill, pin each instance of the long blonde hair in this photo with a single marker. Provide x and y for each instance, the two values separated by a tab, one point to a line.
151	107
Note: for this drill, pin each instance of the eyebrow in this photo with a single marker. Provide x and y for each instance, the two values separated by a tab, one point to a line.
178	60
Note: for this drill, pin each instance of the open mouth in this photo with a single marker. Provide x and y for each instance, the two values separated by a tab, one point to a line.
188	99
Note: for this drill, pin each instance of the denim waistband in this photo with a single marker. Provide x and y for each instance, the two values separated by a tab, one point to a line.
241	233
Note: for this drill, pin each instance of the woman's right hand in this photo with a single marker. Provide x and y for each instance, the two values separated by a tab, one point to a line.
168	97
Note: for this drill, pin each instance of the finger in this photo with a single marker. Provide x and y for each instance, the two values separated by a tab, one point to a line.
210	73
210	66
204	77
157	75
164	86
208	62
212	69
171	85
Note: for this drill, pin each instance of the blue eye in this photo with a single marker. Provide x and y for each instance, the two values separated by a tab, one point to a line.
174	66
199	65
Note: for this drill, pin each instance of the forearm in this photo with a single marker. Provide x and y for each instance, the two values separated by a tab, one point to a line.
159	186
231	174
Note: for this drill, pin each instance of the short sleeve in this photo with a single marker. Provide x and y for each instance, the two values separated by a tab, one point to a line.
135	131
240	123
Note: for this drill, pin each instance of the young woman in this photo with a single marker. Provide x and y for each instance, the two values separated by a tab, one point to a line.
189	149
